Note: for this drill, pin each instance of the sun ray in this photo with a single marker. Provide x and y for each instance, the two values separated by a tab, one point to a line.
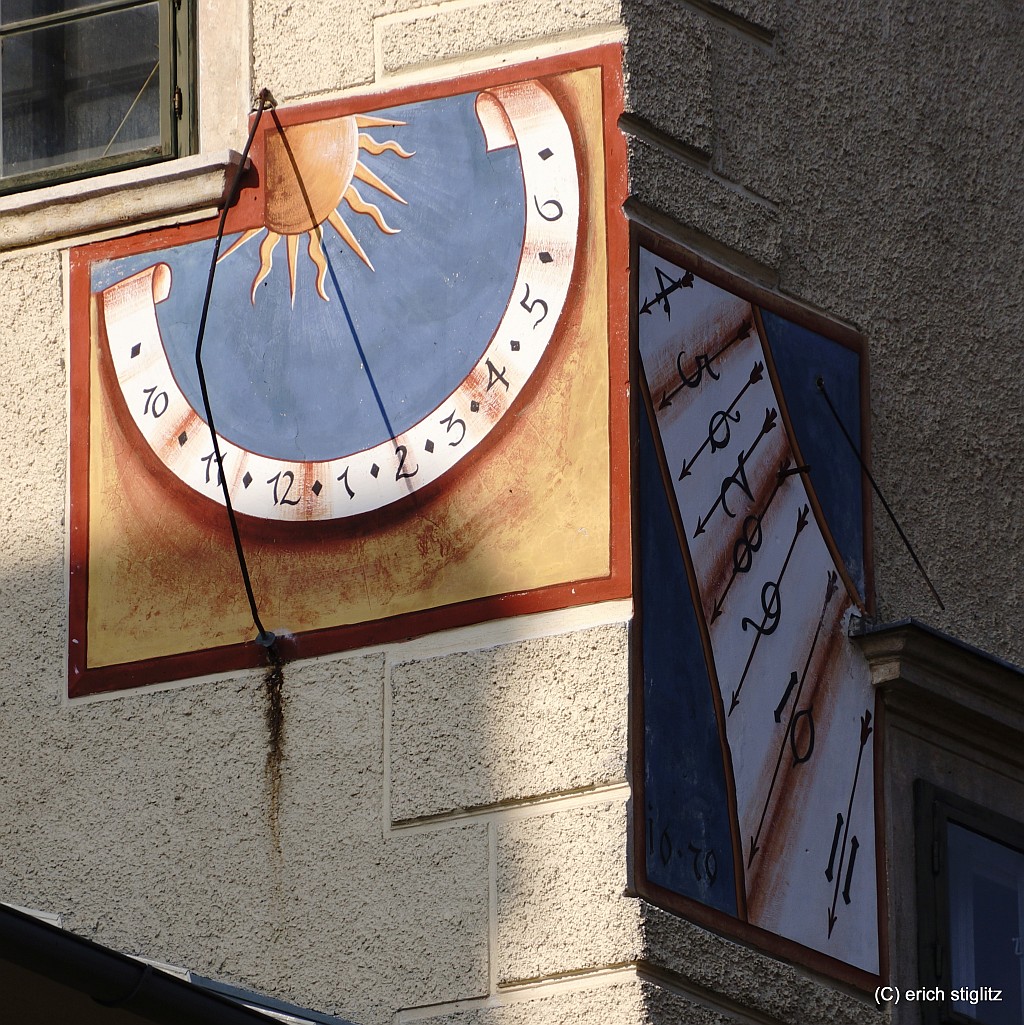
364	174
266	261
371	145
311	172
293	250
369	121
360	206
239	242
316	254
334	219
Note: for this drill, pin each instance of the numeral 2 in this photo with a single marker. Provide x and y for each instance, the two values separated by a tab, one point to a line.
402	452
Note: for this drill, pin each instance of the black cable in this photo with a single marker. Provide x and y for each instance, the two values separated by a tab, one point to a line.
263	101
820	381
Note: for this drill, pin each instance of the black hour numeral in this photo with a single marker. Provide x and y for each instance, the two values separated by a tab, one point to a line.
802	746
403	453
557	212
287	478
494	375
793	679
451	421
344	479
666	286
531	306
829	872
156	402
210	461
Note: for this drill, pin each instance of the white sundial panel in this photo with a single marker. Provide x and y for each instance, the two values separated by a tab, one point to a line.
793	699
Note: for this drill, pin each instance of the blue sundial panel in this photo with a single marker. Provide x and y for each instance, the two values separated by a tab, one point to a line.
316	380
686	797
801	357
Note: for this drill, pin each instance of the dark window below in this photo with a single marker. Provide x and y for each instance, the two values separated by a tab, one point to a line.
971	910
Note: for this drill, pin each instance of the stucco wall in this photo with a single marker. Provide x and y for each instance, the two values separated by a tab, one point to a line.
450	813
149	820
451	833
867	163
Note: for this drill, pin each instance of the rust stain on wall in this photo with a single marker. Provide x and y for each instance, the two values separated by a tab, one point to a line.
273	714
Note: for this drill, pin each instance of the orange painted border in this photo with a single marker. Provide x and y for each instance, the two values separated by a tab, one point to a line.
248	212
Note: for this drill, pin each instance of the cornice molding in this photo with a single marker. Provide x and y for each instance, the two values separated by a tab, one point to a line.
927	677
188	189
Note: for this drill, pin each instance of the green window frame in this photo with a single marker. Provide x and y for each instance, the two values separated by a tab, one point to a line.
970	882
88	87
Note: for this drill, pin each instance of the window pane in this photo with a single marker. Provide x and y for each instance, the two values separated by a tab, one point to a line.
21	10
80	91
986	895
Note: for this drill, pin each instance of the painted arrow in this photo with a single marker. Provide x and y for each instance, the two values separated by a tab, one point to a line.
865	731
750	539
771	604
720	422
686	281
738	478
701	363
798	683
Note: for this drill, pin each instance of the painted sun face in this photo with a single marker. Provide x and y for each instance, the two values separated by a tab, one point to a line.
310	171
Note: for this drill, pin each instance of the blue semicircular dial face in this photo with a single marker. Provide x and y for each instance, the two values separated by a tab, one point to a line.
407	279
309	379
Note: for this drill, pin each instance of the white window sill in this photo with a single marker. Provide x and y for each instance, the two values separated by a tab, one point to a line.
188	189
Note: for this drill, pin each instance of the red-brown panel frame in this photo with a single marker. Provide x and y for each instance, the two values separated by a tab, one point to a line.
247	212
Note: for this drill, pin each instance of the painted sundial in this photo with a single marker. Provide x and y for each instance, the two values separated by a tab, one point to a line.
759	756
403	288
408	364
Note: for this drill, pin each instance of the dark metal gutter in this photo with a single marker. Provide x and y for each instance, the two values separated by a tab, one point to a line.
114	980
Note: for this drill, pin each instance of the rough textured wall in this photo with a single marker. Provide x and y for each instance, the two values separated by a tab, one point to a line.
867	161
863	162
864	159
35	457
149	819
447	834
299	51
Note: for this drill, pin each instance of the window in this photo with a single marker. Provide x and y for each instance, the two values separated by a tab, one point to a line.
87	87
971	885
